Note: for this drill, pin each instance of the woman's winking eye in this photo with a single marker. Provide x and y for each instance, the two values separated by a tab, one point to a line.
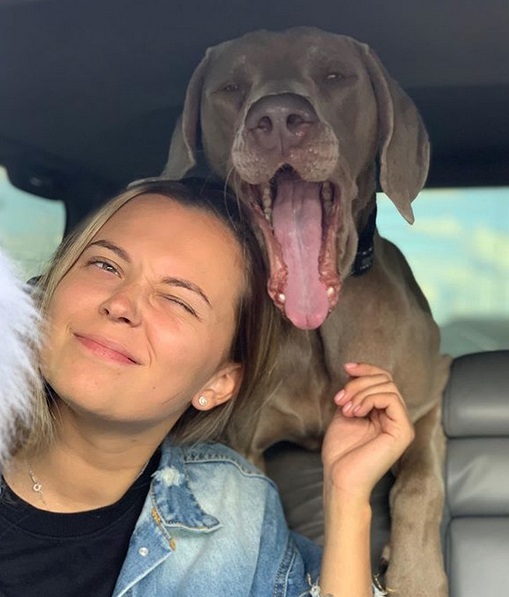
178	301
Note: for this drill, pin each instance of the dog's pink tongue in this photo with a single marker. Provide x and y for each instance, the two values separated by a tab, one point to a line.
297	222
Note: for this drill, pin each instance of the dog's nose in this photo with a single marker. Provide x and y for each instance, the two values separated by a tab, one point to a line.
281	120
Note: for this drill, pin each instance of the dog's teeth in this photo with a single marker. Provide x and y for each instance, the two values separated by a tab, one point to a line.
267	203
281	298
330	292
327	190
327	195
266	197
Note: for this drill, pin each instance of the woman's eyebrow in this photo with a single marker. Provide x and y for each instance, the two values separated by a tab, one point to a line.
170	280
112	247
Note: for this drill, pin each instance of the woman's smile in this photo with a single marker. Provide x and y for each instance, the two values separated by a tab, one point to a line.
106	349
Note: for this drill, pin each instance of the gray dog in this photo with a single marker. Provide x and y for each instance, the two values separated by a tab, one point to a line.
296	122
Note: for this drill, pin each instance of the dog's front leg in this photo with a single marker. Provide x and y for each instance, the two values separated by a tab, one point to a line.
415	562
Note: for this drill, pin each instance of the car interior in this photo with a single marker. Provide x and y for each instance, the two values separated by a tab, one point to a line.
90	92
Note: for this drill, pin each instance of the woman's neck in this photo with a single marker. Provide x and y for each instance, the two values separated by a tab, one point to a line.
88	466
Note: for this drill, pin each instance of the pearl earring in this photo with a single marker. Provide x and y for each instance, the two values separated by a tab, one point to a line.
202	401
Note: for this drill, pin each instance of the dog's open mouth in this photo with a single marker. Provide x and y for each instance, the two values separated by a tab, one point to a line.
299	220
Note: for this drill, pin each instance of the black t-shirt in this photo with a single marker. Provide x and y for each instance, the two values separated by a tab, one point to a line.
67	555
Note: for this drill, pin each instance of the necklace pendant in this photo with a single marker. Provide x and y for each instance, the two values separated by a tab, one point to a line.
36	486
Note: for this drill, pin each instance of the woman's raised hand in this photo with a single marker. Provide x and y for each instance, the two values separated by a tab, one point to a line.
368	434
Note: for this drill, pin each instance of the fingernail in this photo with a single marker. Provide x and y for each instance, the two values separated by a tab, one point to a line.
339	395
347	407
351	365
356	409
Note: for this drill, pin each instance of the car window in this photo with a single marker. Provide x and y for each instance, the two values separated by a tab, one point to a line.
458	248
30	227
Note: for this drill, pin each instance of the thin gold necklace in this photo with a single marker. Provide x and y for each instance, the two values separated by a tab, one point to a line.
37	485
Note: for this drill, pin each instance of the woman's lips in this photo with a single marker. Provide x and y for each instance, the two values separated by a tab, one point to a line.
107	349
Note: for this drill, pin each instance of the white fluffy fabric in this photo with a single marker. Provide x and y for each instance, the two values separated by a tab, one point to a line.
18	331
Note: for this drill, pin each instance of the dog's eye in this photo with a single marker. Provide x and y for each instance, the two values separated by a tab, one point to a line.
230	87
334	76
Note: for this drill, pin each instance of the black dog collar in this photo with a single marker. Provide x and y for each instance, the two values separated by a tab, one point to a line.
365	249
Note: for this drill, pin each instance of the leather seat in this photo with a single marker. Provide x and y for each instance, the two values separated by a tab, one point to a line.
476	422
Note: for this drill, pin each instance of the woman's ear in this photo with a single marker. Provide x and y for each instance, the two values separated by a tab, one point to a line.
222	386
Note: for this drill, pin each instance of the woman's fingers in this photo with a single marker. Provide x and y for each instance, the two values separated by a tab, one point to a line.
359	385
370	388
363	377
358	369
387	402
386	409
363	400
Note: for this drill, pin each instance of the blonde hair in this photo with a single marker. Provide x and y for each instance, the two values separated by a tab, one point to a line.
257	323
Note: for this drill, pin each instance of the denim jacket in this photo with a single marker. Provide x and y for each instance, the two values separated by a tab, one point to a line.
212	525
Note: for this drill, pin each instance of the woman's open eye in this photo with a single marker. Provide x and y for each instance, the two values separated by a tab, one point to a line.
103	264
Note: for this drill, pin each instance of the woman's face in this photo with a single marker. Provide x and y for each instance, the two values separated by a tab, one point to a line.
143	322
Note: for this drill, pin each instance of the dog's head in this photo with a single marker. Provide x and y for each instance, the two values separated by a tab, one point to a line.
20	332
296	122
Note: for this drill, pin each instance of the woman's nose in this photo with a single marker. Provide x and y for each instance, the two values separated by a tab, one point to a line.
124	305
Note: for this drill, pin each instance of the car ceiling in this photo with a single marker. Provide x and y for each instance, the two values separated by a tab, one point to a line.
90	90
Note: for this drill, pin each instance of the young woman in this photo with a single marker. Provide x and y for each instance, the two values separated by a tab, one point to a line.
157	326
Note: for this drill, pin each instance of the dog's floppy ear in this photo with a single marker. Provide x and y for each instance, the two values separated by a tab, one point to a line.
403	141
182	153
